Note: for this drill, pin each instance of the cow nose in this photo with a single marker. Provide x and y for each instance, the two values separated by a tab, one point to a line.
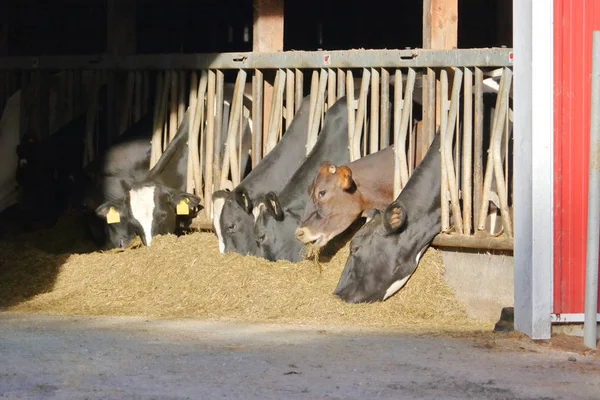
299	233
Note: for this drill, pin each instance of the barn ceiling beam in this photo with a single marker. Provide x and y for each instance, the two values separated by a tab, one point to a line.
416	58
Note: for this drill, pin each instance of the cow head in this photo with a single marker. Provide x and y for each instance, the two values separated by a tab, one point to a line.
332	206
386	250
274	229
233	222
148	210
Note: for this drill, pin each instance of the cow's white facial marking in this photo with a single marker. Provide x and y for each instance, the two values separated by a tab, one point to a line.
217	210
399	284
394	287
142	206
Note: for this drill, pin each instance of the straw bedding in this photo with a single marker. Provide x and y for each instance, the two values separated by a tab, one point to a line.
186	277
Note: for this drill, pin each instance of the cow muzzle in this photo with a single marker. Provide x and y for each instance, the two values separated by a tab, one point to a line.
305	236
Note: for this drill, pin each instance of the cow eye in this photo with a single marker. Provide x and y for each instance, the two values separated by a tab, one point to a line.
354	248
322	193
231	227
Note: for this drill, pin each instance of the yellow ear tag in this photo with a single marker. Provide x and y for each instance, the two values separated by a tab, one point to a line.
183	208
112	216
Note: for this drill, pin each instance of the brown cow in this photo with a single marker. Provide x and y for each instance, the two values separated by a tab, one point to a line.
340	195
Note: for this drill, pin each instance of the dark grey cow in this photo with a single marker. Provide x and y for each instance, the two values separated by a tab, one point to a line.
277	216
232	210
386	250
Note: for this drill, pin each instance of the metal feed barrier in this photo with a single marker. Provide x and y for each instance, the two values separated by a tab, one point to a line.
479	195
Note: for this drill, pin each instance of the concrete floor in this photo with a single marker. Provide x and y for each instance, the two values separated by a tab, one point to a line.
115	358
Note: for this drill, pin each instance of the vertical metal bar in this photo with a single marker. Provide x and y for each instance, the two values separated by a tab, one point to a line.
192	115
313	128
314	87
174	98
194	153
210	143
590	325
158	119
145	103
399	168
442	100
411	140
350	106
299	89
181	100
478	145
330	88
341	83
374	134
219	128
275	113
257	112
447	153
289	97
497	153
405	122
467	181
360	114
230	158
126	110
384	110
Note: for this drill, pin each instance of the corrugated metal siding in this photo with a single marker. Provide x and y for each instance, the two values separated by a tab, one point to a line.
574	21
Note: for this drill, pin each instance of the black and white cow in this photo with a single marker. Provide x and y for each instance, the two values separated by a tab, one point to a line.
149	207
278	216
386	250
232	210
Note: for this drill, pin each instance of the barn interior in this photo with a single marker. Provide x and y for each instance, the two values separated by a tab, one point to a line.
68	28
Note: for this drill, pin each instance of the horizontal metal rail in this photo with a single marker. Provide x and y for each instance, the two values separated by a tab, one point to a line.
415	58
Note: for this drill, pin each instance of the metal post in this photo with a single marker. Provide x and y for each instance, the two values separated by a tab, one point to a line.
591	265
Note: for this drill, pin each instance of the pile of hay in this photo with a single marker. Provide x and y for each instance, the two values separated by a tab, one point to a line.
186	277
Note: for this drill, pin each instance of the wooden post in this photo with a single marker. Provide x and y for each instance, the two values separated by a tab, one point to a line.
267	37
440	24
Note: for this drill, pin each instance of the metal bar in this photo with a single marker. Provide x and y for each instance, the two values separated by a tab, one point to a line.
384	108
192	115
374	133
257	113
313	128
219	128
126	111
415	58
299	89
137	108
194	138
230	158
173	109
156	149
210	142
289	97
330	88
497	150
275	114
350	106
590	325
443	101
400	168
341	83
360	114
447	152
467	162
405	122
478	146
181	100
314	87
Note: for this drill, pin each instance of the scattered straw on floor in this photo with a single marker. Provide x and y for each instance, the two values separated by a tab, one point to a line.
186	277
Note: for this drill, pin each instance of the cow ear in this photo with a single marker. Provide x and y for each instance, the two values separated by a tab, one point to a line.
273	205
242	198
220	194
345	180
394	218
184	202
111	211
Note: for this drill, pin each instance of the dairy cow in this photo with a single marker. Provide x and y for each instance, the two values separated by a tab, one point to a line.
149	206
386	250
232	210
341	194
277	216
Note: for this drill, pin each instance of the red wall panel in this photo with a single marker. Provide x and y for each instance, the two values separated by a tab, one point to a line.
574	21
